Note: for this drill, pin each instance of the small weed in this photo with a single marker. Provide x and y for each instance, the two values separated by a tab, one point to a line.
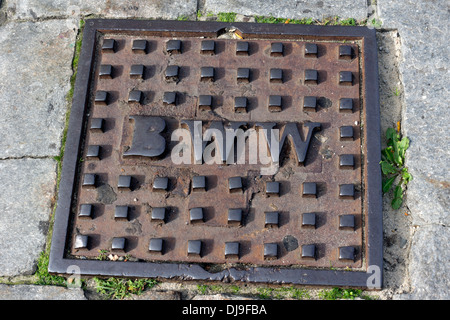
43	277
103	255
235	289
339	293
396	92
392	165
375	23
199	14
183	18
226	16
348	22
202	288
115	288
300	294
265	293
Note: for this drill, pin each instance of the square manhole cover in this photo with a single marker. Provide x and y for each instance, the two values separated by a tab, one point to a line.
218	151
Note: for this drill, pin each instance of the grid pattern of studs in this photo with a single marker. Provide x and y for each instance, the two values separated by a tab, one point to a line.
168	83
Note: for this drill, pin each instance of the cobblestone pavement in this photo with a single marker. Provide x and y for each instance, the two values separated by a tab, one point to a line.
37	45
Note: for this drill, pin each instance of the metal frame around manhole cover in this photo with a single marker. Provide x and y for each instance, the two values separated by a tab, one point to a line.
370	275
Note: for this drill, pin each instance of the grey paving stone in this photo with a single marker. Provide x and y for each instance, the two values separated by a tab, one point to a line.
429	266
32	9
26	191
423	28
291	9
35	70
32	292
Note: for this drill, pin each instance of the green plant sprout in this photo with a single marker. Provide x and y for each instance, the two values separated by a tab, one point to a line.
393	165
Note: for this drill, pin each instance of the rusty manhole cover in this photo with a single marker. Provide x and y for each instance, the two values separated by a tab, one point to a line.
220	151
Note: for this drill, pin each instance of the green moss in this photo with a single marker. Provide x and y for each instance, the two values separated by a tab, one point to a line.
43	277
115	288
226	16
340	293
335	21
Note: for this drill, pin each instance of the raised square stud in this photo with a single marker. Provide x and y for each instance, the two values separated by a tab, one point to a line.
277	49
346	105
173	46
109	46
347	253
208	47
207	74
347	191
240	104
135	96
121	213
81	242
172	73
198	183
276	75
243	75
346	133
309	251
309	220
137	71
118	244
242	48
271	219
272	189
158	214
86	211
235	184
309	190
309	103
97	125
101	98
124	182
234	217
194	248
196	215
156	246
170	98
311	76
205	102
139	46
347	222
345	52
346	161
160	184
345	78
270	251
231	250
93	152
275	103
89	180
311	50
106	71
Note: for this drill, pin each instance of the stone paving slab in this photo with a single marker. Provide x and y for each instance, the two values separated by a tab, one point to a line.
429	263
32	292
27	189
32	9
423	28
35	70
297	9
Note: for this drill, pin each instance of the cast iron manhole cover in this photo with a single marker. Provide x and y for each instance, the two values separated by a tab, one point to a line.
218	151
